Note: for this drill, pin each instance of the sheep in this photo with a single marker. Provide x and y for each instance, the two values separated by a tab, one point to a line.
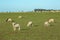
15	26
19	16
46	23
29	23
51	20
8	20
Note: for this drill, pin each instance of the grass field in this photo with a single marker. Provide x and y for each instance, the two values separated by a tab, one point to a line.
36	32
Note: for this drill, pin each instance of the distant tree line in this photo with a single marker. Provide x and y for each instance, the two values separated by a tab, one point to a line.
41	10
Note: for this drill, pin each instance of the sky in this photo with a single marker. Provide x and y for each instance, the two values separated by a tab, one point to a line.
28	5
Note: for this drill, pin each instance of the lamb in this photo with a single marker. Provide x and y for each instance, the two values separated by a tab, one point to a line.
46	23
19	16
51	20
8	20
15	26
29	23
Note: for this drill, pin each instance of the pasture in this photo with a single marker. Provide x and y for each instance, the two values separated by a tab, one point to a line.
37	32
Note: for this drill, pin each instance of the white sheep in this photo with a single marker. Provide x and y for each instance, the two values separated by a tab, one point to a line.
19	16
15	26
46	23
29	23
51	20
8	20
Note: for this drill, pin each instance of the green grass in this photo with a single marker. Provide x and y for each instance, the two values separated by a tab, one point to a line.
37	32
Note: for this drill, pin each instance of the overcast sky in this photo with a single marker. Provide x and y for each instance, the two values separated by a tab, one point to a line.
28	5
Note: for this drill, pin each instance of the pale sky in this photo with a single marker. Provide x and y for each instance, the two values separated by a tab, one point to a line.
28	5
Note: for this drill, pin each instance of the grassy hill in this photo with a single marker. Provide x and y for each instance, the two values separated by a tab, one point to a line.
37	32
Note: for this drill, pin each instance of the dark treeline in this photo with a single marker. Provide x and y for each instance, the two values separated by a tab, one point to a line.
40	10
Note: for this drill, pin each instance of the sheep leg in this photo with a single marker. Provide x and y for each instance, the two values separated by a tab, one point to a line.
19	28
14	29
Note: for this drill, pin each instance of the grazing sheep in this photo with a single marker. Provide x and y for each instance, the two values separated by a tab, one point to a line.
29	23
15	26
46	23
8	20
51	20
19	16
